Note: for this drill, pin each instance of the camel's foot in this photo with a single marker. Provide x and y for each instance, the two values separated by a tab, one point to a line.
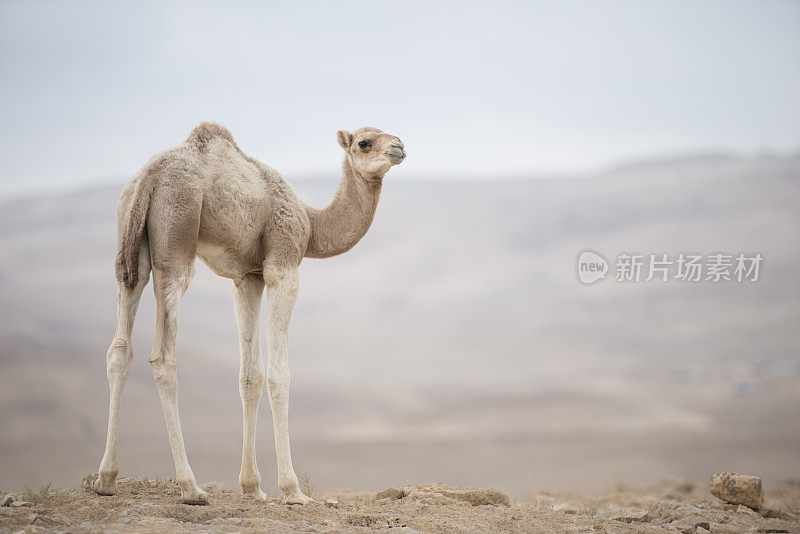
104	484
296	497
256	494
194	496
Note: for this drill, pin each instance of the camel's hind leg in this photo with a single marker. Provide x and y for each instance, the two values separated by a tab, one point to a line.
173	223
169	288
118	361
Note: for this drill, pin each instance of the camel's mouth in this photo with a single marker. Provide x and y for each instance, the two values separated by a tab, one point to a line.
395	156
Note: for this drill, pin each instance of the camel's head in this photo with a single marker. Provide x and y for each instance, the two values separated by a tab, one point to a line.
370	151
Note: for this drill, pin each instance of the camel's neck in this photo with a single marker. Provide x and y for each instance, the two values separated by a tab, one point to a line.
338	227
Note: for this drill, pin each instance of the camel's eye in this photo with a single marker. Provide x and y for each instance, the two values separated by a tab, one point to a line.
364	145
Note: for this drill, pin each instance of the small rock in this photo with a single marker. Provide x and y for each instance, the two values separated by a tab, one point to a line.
145	507
742	509
213	486
680	526
61	518
7	500
634	516
42	521
702	526
390	493
566	508
773	526
738	489
88	481
429	497
227	521
19	504
473	496
331	503
768	513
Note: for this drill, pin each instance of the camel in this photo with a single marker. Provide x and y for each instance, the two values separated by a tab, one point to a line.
207	198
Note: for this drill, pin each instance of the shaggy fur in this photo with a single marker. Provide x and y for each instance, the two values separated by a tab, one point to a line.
207	198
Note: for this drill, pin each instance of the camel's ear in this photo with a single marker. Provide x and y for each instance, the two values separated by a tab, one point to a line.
345	139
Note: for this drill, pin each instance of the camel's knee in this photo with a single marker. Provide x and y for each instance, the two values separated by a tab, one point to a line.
118	358
251	382
278	384
165	370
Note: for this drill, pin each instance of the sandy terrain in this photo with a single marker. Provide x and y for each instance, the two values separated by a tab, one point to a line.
152	505
454	343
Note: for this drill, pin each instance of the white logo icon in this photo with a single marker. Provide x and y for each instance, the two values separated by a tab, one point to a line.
592	267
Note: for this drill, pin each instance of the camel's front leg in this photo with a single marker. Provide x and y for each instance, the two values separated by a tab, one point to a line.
282	285
247	300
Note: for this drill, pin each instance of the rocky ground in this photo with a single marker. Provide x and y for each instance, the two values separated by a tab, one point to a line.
153	505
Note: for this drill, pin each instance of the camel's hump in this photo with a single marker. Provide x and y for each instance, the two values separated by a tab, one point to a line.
205	132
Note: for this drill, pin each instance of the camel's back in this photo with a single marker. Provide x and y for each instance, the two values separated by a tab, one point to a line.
243	207
221	161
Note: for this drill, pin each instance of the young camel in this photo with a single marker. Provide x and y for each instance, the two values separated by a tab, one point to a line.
207	198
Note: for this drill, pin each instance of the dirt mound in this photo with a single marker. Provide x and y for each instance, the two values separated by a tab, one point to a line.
445	494
153	505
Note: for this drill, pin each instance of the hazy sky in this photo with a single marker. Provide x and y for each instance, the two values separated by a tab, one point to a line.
91	90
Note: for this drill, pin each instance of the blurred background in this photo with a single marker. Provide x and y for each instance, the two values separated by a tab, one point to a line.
454	343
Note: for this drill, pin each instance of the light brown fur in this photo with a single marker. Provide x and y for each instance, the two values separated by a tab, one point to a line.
207	198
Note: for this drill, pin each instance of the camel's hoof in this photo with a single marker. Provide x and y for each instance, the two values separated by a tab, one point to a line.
197	496
104	485
297	497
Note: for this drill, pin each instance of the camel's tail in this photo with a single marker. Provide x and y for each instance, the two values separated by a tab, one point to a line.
133	224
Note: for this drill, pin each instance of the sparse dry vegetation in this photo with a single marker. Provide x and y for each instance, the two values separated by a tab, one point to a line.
39	496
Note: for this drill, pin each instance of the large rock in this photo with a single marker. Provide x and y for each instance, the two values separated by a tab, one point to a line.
738	489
